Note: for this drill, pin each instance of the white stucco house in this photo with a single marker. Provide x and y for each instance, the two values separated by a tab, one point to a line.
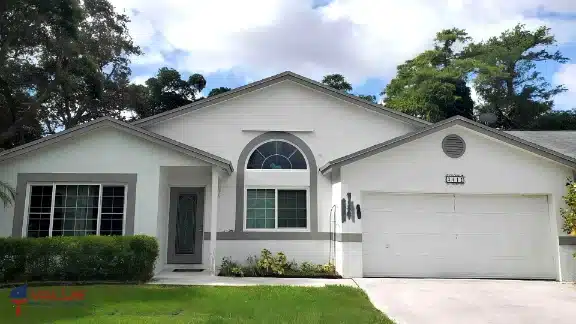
291	165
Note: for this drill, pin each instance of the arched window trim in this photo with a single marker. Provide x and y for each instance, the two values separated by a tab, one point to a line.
277	170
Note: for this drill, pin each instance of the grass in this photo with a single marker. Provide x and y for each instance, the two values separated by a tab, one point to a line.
201	304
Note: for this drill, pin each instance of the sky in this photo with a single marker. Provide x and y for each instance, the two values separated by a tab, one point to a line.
233	43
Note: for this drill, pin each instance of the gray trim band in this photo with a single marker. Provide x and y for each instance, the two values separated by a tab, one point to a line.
284	236
457	120
129	179
567	240
303	147
315	85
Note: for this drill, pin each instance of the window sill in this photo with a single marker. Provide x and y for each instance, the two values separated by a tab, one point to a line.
277	230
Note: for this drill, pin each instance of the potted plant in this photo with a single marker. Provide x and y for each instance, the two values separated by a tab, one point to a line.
569	213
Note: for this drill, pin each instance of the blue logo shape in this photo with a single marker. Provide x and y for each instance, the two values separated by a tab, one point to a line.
19	292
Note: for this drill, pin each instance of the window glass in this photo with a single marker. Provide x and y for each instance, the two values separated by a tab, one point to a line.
292	208
260	211
276	155
77	210
263	212
39	212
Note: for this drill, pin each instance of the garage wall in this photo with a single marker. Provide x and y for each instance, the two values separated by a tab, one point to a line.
490	167
568	262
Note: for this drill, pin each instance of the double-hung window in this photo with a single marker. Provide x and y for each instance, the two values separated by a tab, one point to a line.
61	209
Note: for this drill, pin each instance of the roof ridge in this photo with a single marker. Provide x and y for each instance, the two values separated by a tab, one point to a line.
302	80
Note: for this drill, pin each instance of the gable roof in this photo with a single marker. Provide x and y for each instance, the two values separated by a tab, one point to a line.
559	141
277	79
125	127
457	120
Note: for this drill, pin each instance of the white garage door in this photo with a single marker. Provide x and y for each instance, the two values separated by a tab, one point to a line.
457	236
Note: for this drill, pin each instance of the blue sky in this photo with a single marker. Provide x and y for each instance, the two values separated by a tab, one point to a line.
233	43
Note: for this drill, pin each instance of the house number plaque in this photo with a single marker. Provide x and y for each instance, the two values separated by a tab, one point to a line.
455	179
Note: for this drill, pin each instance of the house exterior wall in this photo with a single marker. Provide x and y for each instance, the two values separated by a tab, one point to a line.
490	167
330	127
106	151
568	262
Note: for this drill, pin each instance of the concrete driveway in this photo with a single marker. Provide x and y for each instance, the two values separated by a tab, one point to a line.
417	301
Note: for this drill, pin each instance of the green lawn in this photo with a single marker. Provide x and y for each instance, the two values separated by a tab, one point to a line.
202	304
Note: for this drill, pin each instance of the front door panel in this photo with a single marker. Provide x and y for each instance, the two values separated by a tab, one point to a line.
186	228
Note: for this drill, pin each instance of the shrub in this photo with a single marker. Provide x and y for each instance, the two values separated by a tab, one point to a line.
569	213
87	258
230	268
272	265
268	265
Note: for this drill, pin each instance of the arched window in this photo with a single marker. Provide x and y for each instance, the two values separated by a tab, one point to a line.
277	155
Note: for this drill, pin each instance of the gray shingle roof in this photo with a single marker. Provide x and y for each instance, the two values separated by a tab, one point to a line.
560	141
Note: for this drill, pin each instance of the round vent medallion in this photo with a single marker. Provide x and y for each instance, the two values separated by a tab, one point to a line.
454	146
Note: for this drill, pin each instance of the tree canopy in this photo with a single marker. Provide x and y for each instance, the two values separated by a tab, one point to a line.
62	63
502	70
217	91
432	86
165	91
514	90
339	82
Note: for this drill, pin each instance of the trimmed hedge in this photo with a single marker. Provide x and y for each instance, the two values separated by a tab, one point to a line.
80	258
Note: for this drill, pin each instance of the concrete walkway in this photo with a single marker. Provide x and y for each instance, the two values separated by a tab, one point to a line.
205	279
421	301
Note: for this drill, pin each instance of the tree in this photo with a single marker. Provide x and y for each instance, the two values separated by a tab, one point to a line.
62	63
7	194
31	31
164	92
96	82
554	120
338	82
514	90
432	86
369	98
217	91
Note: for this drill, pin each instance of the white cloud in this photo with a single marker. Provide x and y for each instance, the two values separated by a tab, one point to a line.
566	76
359	38
151	58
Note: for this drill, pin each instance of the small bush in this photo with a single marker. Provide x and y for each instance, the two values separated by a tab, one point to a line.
87	258
272	265
230	268
569	213
269	265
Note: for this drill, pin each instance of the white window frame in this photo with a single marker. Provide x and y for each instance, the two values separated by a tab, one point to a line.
277	229
54	184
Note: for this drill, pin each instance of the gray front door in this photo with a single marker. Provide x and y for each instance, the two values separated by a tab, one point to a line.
186	225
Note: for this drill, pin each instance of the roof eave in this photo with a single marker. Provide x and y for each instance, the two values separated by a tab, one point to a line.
457	120
224	164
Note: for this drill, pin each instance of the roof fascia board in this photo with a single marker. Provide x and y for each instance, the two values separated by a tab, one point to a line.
460	121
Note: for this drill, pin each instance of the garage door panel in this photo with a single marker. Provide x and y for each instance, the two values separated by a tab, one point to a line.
481	236
417	222
411	244
497	223
407	202
501	204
